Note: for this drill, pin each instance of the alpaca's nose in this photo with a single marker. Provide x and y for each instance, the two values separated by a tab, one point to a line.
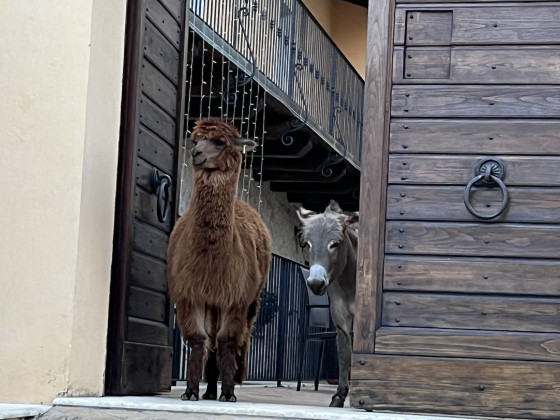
195	152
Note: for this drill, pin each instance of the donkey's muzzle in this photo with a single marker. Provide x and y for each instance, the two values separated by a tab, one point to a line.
317	280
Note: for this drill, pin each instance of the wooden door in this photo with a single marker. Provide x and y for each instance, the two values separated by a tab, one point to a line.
467	317
141	316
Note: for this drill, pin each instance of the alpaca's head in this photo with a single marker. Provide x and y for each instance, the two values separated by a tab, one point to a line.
217	145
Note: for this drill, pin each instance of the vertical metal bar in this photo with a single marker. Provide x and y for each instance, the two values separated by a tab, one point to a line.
283	298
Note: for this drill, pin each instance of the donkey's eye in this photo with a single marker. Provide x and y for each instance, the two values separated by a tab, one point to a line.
333	244
308	244
219	143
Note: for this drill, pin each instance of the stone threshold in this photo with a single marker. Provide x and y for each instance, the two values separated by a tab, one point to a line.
18	411
240	409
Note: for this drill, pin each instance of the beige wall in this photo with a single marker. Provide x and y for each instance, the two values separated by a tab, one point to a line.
346	24
61	66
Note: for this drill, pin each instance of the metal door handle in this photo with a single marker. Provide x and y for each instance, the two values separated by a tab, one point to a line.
160	186
489	172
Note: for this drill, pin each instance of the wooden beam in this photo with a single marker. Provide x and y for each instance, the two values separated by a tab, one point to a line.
374	172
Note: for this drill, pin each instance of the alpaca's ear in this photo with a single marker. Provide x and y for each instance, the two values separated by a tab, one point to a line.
245	145
305	214
333	207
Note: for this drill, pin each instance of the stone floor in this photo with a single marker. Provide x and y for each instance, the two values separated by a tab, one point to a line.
262	400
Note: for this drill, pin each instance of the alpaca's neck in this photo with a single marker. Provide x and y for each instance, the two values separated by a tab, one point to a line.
213	201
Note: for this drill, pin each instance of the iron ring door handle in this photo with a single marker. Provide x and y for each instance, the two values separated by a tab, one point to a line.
161	185
489	179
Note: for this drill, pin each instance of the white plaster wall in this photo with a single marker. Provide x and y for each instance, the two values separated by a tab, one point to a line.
61	68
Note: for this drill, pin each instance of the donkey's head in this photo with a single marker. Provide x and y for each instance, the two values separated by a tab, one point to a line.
331	237
217	145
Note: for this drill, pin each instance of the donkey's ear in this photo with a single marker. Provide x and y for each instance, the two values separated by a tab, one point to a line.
333	207
304	214
245	145
352	220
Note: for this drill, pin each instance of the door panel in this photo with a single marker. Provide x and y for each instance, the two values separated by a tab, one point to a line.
141	314
458	309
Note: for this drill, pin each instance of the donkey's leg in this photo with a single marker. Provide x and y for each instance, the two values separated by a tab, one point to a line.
233	330
342	319
191	320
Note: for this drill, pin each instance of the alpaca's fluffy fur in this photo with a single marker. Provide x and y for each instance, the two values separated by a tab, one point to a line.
218	262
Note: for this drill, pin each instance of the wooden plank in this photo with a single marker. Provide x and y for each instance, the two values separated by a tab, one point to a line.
140	377
174	7
473	239
518	136
374	169
529	24
161	17
161	52
535	171
422	63
400	26
145	209
476	101
473	312
468	343
472	275
477	65
154	118
148	272
146	304
158	88
483	24
153	151
433	27
147	332
467	387
531	205
149	240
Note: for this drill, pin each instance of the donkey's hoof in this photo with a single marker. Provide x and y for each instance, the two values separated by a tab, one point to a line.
228	398
337	401
190	396
209	396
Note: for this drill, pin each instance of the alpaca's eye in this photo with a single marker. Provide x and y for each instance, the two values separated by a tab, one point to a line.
219	143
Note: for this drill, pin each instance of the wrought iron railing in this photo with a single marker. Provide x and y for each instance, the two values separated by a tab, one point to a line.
287	49
278	334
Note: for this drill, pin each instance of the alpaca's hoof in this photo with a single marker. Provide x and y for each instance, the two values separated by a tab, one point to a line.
189	396
337	401
209	396
228	398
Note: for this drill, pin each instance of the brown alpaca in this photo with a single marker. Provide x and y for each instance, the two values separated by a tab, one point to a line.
218	261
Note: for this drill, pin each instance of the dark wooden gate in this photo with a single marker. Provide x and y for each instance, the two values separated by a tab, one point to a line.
140	326
468	306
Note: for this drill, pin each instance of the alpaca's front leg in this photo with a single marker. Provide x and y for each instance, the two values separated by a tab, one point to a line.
191	320
233	328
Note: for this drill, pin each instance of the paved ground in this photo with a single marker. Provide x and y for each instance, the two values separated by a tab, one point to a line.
255	401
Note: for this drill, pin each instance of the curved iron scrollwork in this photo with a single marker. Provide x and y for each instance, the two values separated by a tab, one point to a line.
296	124
335	157
231	96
